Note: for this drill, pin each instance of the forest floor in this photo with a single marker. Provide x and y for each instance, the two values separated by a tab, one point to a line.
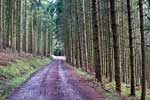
125	91
6	57
15	68
56	81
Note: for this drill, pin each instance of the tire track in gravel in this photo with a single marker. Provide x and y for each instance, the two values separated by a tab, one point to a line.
56	81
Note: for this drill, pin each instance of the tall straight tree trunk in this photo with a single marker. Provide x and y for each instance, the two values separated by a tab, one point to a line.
84	37
14	25
18	9
33	33
116	46
1	33
21	26
8	20
25	28
27	32
110	57
77	37
4	25
49	43
143	95
131	49
98	68
41	41
46	41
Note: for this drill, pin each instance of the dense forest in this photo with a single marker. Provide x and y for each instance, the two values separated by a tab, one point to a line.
111	38
106	38
28	26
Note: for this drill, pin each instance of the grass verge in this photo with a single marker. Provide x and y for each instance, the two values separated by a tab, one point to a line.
109	88
125	88
17	72
93	82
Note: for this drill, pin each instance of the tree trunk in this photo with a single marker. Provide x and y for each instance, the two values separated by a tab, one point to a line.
116	46
98	68
1	16
143	94
131	49
14	9
21	26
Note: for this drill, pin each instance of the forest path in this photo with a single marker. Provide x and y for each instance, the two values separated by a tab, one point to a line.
56	81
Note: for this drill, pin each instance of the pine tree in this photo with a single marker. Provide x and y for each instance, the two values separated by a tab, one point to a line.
116	46
143	94
97	66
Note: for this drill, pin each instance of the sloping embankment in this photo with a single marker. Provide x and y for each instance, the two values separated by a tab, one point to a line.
16	72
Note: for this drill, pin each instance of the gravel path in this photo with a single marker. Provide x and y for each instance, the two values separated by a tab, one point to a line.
57	81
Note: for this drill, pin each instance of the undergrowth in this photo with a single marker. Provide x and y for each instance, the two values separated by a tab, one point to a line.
125	90
92	81
17	72
109	88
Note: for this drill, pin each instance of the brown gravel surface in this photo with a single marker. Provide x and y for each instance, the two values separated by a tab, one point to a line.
57	81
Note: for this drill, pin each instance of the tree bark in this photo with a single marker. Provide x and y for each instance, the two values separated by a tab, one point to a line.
98	68
131	49
143	94
116	46
21	26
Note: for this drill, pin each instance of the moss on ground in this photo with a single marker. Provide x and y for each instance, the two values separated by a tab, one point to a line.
112	95
17	72
82	73
95	84
126	91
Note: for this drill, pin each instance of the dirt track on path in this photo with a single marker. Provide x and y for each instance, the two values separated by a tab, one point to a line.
57	81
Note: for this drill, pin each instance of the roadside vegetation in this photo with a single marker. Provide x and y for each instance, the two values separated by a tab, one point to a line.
90	78
17	71
108	89
126	91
